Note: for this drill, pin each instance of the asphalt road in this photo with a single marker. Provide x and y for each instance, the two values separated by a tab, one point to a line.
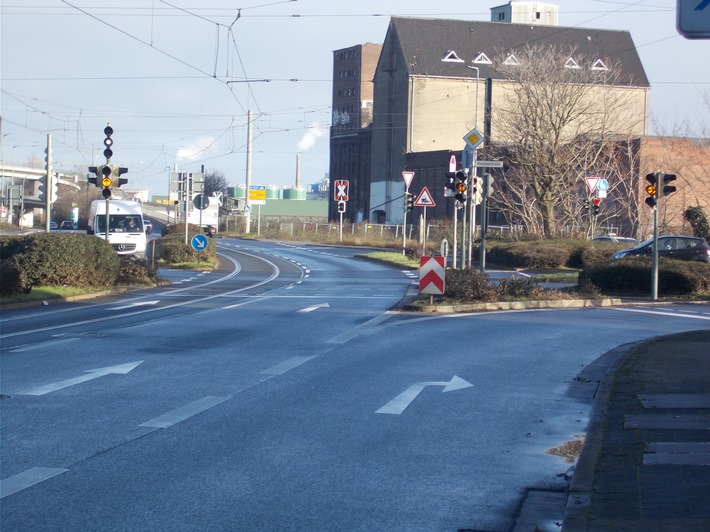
282	394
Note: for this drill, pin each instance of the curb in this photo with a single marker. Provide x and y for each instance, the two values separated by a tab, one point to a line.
515	305
579	497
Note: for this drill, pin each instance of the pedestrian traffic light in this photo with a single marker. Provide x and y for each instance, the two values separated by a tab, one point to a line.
652	190
667	188
408	201
461	177
450	185
596	203
108	142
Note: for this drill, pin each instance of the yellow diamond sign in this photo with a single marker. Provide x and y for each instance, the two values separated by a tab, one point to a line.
473	138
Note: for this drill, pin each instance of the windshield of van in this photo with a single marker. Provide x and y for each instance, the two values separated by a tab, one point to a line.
119	223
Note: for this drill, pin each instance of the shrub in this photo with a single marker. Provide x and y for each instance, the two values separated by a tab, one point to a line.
520	287
633	275
134	270
468	285
13	279
173	250
60	260
699	222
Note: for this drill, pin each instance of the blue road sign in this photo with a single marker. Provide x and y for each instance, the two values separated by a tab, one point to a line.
199	242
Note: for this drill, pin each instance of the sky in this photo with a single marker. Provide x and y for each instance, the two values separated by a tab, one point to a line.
177	78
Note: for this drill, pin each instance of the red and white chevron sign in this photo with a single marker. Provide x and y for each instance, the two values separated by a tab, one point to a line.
431	275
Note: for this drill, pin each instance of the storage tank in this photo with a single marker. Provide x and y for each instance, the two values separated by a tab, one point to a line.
294	193
272	192
237	191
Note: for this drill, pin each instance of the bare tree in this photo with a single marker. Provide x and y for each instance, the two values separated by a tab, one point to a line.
215	182
556	120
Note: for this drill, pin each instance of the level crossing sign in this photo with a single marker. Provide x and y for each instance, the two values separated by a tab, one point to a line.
341	189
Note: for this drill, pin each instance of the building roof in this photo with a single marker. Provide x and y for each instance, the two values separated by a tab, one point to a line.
442	47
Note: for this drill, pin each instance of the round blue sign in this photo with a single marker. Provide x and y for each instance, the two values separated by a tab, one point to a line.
199	242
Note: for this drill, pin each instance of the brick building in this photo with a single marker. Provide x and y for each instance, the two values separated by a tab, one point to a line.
351	131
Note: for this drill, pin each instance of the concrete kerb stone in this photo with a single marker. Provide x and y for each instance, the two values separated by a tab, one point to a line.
579	496
515	305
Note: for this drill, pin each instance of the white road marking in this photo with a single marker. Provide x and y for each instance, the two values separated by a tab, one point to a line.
675	314
27	479
283	367
121	369
181	414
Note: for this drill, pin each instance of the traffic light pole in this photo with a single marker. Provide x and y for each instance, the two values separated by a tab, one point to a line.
654	263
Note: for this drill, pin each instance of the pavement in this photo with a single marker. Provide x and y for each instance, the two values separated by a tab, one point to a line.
645	464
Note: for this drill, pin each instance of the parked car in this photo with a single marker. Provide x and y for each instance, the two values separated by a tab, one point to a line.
671	246
67	224
616	239
53	225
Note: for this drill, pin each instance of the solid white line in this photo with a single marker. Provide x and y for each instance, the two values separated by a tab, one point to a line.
674	314
27	479
181	414
283	367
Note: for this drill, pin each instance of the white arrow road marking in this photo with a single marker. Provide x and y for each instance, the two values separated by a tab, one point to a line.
92	374
397	405
185	412
314	307
133	305
27	479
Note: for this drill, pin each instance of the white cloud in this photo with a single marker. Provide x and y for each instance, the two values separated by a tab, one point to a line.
310	137
197	149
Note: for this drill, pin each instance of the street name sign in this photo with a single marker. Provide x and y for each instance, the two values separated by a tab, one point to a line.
693	18
489	164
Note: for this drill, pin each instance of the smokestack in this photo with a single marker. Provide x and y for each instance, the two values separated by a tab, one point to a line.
298	170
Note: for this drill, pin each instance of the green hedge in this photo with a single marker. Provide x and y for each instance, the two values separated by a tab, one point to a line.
551	253
172	249
633	275
51	259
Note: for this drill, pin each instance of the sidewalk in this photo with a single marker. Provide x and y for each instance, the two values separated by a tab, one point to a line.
645	465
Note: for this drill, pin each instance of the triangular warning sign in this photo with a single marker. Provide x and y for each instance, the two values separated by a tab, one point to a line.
592	183
424	199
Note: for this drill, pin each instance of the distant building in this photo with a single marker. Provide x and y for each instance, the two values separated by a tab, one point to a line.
351	132
526	13
435	76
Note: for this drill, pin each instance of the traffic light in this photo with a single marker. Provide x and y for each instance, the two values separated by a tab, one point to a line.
450	186
667	188
341	206
408	201
108	142
94	180
106	181
461	177
596	203
45	182
116	173
585	204
652	190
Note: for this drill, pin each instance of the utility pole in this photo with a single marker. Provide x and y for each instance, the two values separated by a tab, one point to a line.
247	205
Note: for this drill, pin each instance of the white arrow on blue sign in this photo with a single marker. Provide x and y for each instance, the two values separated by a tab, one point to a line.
199	242
693	18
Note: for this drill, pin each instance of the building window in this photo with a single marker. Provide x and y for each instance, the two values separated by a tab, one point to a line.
482	59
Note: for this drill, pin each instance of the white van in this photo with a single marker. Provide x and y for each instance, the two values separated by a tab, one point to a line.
125	221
